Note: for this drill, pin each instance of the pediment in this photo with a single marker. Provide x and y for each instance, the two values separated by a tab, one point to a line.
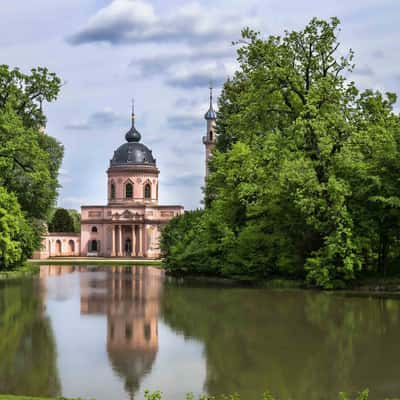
127	214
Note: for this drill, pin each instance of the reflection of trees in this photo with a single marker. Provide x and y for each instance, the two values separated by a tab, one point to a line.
27	347
130	298
301	345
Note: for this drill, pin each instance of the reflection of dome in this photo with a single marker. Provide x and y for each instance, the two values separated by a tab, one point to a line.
132	366
130	297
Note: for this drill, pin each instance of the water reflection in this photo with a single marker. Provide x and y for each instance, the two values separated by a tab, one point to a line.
119	330
27	348
299	345
129	297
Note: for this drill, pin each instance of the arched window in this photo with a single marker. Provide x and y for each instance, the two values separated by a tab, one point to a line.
128	331
112	191
93	245
129	190
147	191
71	245
147	332
94	229
58	248
211	136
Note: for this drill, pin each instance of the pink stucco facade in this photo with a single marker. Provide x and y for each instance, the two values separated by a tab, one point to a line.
59	245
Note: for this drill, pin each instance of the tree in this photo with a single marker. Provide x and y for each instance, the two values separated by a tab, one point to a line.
62	221
303	178
29	159
16	236
76	218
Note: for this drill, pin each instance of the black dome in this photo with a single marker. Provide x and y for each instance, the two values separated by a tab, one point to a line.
133	153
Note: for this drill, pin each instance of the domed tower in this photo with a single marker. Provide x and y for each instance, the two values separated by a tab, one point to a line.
133	174
210	139
130	224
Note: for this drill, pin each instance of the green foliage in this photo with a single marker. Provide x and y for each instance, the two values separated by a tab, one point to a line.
26	335
29	159
76	218
157	395
62	221
16	236
304	178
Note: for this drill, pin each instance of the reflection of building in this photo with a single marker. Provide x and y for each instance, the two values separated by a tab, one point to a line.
130	299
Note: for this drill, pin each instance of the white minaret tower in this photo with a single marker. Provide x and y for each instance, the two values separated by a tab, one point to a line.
210	139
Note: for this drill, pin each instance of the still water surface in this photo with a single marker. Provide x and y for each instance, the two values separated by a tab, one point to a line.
112	332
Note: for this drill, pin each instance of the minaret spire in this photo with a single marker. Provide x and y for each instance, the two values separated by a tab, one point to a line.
210	138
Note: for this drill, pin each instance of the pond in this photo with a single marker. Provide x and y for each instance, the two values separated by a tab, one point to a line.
112	332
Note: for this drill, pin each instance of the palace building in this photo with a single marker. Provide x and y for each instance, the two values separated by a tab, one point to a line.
129	225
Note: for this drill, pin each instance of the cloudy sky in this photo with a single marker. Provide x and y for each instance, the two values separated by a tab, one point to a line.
163	53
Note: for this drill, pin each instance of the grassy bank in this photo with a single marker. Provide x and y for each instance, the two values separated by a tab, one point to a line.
11	397
31	267
23	271
159	396
372	284
94	261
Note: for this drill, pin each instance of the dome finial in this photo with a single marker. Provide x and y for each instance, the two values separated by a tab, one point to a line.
133	135
211	89
133	112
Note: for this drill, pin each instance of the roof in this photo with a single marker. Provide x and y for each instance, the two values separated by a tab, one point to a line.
133	152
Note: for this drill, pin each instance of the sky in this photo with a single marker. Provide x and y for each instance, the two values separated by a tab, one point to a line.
164	53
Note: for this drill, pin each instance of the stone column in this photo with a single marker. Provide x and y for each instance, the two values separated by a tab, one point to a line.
144	241
140	242
113	241
120	241
133	241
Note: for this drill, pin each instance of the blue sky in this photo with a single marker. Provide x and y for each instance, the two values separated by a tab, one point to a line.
163	53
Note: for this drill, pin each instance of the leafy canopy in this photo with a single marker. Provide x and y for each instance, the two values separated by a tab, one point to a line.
304	177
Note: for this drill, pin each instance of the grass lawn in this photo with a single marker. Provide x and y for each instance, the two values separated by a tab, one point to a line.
11	397
24	270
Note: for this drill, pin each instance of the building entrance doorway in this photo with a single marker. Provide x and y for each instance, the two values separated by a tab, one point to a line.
128	247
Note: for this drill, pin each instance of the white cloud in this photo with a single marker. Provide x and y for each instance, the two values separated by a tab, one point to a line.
164	53
104	119
135	21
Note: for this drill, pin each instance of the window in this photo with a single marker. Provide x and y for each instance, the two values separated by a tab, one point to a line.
211	136
147	191
147	332
94	229
128	330
112	194
93	245
129	190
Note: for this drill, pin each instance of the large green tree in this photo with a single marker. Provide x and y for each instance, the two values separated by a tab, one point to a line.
303	180
29	159
15	233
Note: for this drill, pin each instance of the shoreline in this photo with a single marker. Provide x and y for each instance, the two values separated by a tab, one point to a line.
365	286
94	260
